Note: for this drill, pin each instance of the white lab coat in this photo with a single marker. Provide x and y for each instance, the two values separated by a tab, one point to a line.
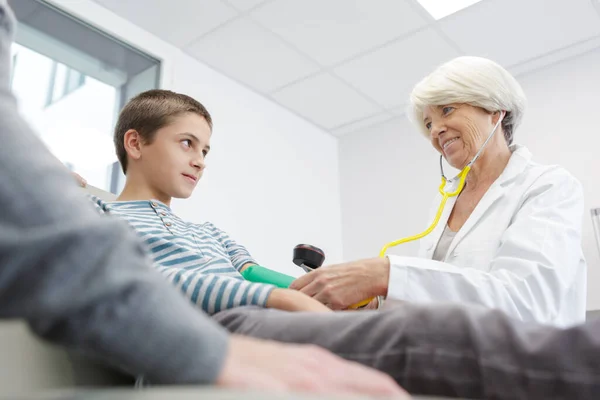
519	251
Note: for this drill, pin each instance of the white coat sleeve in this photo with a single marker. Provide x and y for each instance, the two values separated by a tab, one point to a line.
536	262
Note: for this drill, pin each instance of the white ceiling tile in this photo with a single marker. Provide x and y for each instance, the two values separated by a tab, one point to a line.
325	100
245	5
247	52
439	9
513	31
361	124
176	21
555	57
521	35
389	74
334	30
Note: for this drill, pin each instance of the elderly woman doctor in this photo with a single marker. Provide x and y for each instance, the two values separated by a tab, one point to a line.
511	239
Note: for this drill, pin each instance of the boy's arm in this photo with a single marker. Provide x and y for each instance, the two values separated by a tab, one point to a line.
248	264
240	257
283	299
213	292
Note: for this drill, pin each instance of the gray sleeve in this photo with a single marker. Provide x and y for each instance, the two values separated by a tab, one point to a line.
82	280
478	353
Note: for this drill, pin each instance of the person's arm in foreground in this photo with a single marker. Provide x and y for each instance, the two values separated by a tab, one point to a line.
83	281
478	353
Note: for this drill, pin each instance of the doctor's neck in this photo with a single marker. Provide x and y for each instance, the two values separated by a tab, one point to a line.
488	167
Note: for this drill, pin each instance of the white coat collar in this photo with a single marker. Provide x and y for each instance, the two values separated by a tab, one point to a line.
517	163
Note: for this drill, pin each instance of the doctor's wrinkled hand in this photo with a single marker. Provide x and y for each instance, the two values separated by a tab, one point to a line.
343	285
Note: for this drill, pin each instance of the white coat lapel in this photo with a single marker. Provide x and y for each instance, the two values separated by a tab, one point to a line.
494	193
517	163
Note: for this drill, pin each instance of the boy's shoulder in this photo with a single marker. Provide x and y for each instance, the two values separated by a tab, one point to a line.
208	225
99	204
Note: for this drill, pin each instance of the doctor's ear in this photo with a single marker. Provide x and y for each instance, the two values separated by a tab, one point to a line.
496	115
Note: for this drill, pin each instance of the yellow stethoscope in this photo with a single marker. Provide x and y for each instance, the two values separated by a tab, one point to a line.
462	176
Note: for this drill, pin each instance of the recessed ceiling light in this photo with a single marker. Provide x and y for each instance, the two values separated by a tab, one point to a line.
442	8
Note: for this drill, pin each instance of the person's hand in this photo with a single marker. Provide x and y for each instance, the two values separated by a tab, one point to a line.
292	300
341	286
82	182
270	366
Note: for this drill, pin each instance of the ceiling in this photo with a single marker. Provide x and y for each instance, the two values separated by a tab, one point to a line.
348	64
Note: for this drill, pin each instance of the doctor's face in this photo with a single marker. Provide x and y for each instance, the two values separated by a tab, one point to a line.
457	131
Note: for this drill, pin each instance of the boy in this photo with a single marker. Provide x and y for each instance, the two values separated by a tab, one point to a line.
162	139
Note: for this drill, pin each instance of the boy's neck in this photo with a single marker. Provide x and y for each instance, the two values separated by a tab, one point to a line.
136	190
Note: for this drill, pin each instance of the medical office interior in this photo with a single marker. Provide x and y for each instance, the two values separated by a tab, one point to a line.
311	140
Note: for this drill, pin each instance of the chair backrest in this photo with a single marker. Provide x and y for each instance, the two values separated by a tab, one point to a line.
30	365
101	194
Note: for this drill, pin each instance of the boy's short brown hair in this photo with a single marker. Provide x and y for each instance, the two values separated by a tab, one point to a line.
150	111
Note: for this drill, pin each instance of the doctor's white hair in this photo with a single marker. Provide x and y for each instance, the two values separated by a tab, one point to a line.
470	80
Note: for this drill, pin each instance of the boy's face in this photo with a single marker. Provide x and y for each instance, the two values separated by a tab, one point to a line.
175	160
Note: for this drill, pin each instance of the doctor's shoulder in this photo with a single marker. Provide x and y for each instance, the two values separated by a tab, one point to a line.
552	180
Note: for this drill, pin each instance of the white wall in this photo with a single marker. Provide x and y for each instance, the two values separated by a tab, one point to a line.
389	173
272	179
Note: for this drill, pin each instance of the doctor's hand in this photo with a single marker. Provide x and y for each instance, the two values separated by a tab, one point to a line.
343	285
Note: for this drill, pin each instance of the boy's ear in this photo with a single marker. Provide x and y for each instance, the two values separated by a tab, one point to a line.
133	144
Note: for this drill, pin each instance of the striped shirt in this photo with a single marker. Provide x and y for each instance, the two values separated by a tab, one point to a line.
199	259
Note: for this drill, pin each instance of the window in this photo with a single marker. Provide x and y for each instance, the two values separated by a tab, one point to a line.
71	80
63	81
